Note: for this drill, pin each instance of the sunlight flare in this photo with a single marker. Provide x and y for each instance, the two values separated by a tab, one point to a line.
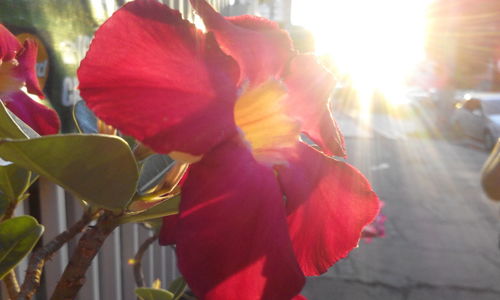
376	43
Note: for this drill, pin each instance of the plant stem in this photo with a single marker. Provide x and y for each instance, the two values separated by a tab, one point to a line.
10	281
138	274
9	211
88	246
40	256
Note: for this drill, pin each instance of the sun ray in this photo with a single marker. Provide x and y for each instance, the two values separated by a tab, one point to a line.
377	43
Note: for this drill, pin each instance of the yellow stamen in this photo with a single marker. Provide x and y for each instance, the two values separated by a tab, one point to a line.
184	157
261	116
156	284
105	128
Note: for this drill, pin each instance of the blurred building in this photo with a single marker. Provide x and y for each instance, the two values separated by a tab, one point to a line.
239	7
276	10
464	40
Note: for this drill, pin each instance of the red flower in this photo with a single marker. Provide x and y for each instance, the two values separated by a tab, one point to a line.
260	209
17	69
375	229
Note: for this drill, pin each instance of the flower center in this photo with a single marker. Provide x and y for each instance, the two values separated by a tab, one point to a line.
260	114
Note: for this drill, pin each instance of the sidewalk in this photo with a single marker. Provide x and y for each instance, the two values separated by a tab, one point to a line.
441	233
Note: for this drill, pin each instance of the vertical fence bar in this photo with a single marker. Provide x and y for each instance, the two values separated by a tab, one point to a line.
3	292
150	259
20	270
189	12
53	217
180	6
90	289
146	258
158	266
163	267
110	267
172	263
129	245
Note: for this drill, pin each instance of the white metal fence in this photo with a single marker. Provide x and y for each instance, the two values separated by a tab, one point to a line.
110	276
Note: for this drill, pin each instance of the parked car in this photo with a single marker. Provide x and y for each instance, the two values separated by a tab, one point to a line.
478	117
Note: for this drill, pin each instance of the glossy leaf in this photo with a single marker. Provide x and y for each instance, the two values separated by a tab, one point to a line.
153	171
13	127
153	294
137	206
85	120
17	237
14	181
178	287
167	207
99	169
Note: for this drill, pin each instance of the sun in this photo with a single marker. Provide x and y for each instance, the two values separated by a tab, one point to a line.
376	43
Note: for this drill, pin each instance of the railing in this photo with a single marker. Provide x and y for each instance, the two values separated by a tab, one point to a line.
111	275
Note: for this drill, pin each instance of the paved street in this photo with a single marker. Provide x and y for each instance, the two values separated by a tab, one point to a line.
441	233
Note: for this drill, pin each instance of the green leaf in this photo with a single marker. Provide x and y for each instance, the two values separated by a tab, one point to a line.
153	294
178	287
166	208
99	169
17	237
153	171
86	121
14	181
13	127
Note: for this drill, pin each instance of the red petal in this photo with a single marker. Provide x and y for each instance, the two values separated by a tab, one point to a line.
168	229
259	46
232	239
309	87
376	229
328	202
9	45
38	116
152	75
299	297
27	67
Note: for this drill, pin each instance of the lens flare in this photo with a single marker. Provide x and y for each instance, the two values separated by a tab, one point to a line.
377	44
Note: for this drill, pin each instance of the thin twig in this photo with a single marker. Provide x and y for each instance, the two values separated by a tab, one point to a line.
42	254
9	211
138	273
88	246
10	281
